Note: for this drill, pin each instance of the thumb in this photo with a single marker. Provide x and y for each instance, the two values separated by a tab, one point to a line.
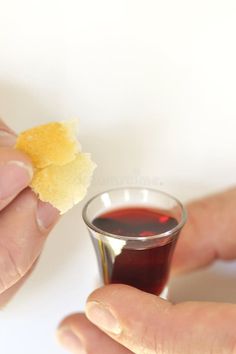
144	323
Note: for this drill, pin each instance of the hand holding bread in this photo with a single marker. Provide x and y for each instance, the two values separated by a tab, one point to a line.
43	174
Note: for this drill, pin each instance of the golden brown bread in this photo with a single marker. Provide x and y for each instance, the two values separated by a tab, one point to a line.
53	143
62	173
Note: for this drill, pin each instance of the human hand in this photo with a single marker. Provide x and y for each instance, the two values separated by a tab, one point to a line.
121	320
24	220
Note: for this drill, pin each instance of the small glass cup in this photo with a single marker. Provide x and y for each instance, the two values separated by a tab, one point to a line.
142	262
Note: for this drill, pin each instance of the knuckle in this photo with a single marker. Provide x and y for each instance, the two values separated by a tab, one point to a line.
10	272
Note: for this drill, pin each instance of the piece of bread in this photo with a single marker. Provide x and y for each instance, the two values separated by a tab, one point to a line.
53	143
62	173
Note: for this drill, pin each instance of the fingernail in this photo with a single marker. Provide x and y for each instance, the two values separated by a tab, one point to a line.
14	177
46	216
102	317
70	341
7	139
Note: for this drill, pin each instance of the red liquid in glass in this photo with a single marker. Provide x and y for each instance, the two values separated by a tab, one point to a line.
145	269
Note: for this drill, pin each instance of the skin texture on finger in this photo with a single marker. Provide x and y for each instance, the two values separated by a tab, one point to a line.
210	233
12	267
22	236
7	295
151	325
7	135
79	335
16	173
6	128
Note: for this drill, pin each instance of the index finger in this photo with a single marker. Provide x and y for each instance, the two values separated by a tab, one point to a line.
7	135
209	233
145	323
16	170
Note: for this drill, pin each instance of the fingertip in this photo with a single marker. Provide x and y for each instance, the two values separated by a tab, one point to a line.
7	136
70	332
6	128
109	291
9	153
26	165
77	334
7	139
71	341
46	216
69	321
15	176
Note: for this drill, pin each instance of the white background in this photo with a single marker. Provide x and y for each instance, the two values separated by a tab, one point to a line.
154	85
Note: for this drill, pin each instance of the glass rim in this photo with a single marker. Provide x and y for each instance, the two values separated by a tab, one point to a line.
165	234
